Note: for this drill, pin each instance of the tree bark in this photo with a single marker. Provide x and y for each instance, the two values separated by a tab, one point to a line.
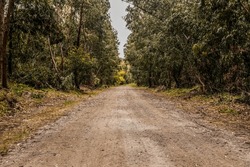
78	40
10	57
77	84
79	27
62	58
6	26
150	76
1	33
202	3
52	54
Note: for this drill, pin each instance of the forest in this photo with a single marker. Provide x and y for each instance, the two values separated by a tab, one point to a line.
60	44
185	43
64	44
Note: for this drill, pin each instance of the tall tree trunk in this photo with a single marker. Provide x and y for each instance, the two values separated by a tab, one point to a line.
62	58
52	55
202	3
150	76
1	33
78	40
77	84
6	26
10	57
79	28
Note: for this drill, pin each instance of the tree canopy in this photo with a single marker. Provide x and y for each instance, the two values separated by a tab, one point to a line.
188	42
59	43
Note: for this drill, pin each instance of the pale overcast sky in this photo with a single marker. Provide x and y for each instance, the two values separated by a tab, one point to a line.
117	12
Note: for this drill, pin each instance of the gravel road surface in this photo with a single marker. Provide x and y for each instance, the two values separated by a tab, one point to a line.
129	127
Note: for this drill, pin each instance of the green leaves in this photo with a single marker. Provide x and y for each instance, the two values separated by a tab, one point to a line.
179	43
72	41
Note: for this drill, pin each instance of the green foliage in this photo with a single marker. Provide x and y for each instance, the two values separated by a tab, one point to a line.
38	95
228	111
8	101
19	89
123	75
81	63
179	91
189	44
67	82
36	76
120	77
52	46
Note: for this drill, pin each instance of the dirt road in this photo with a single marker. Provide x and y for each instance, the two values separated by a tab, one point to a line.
127	127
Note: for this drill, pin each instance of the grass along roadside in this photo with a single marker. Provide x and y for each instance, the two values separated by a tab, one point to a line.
23	110
222	109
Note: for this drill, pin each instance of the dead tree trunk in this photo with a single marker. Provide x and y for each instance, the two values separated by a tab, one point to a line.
52	54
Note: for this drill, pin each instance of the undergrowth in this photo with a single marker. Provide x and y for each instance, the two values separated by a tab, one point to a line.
24	109
223	103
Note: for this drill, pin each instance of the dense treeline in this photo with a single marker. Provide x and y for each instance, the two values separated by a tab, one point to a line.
59	43
190	42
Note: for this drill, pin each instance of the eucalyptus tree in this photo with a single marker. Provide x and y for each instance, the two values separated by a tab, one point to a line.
34	29
222	51
97	38
153	24
183	43
60	42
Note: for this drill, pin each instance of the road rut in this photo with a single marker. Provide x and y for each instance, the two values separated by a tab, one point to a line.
128	127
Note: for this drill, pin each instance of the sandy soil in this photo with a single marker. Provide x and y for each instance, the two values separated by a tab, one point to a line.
128	127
